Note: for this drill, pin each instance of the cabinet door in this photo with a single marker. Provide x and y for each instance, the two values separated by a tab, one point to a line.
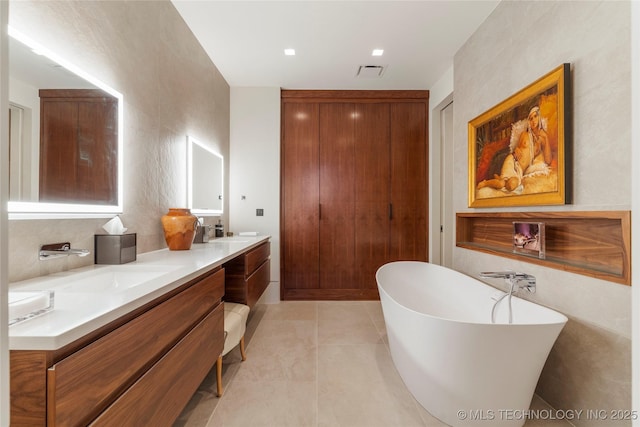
58	153
78	146
300	194
337	189
372	192
370	182
409	188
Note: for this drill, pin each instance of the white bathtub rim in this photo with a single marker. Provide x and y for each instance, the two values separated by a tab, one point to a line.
560	318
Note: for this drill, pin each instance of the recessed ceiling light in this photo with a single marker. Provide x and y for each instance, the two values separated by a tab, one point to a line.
377	52
290	52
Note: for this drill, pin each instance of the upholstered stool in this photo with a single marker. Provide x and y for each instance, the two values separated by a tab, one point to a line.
235	325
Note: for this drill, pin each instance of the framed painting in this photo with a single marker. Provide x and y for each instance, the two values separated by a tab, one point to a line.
518	150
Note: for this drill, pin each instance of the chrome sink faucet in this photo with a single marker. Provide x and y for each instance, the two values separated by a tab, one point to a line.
55	250
516	280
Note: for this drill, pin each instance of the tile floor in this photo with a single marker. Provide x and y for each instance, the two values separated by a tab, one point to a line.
319	364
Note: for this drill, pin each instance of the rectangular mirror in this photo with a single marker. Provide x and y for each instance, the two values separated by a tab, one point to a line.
205	172
66	139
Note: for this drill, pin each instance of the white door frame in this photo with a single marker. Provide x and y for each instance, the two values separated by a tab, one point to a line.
447	216
441	207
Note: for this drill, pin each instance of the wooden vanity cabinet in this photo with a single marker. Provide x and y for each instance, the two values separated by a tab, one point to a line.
247	276
160	395
141	369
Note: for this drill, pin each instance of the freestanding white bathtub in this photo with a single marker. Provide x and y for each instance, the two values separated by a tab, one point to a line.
462	368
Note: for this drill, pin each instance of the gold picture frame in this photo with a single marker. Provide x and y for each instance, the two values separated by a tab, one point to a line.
518	150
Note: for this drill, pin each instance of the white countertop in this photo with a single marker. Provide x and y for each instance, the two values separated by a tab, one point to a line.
78	312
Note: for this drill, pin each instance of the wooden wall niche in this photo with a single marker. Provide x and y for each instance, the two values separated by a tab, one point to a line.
591	243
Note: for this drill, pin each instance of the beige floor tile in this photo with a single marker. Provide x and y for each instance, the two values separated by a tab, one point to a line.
201	405
205	400
255	318
267	403
345	323
314	364
537	404
284	334
292	310
370	363
359	386
428	419
377	317
296	362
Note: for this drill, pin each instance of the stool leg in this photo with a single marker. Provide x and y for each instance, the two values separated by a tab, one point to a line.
242	353
219	375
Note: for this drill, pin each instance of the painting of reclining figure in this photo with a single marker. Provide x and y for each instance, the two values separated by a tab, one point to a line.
517	149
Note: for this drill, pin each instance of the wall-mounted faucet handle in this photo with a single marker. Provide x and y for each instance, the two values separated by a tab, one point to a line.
526	281
55	250
519	280
498	274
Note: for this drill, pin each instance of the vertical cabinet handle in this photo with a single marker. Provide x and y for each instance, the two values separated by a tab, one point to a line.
319	210
390	210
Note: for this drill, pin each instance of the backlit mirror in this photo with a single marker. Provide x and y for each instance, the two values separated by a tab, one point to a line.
65	137
204	179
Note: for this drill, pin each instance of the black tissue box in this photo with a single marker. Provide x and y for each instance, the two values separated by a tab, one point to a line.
115	248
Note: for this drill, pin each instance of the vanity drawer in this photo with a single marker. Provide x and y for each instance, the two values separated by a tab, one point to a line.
80	386
247	276
255	257
158	397
257	283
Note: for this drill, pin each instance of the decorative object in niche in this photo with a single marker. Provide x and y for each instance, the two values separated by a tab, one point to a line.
518	149
29	75
528	238
179	226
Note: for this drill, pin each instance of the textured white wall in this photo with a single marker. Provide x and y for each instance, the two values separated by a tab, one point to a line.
171	89
635	219
255	167
517	44
4	194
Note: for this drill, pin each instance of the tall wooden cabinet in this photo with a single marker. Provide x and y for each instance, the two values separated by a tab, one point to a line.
354	189
78	146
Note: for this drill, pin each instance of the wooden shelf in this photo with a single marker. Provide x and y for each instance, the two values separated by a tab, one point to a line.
591	243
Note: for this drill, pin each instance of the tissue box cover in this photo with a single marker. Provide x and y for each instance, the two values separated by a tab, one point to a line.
115	248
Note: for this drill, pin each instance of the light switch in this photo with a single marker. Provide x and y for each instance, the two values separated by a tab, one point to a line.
259	212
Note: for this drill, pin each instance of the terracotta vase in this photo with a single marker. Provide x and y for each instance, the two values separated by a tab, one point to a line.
179	228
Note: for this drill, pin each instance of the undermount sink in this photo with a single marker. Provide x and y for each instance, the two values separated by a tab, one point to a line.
25	305
114	279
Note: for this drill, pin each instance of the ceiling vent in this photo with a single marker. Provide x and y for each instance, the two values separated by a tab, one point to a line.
370	71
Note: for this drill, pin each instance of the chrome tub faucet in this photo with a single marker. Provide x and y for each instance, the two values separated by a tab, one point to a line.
516	280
